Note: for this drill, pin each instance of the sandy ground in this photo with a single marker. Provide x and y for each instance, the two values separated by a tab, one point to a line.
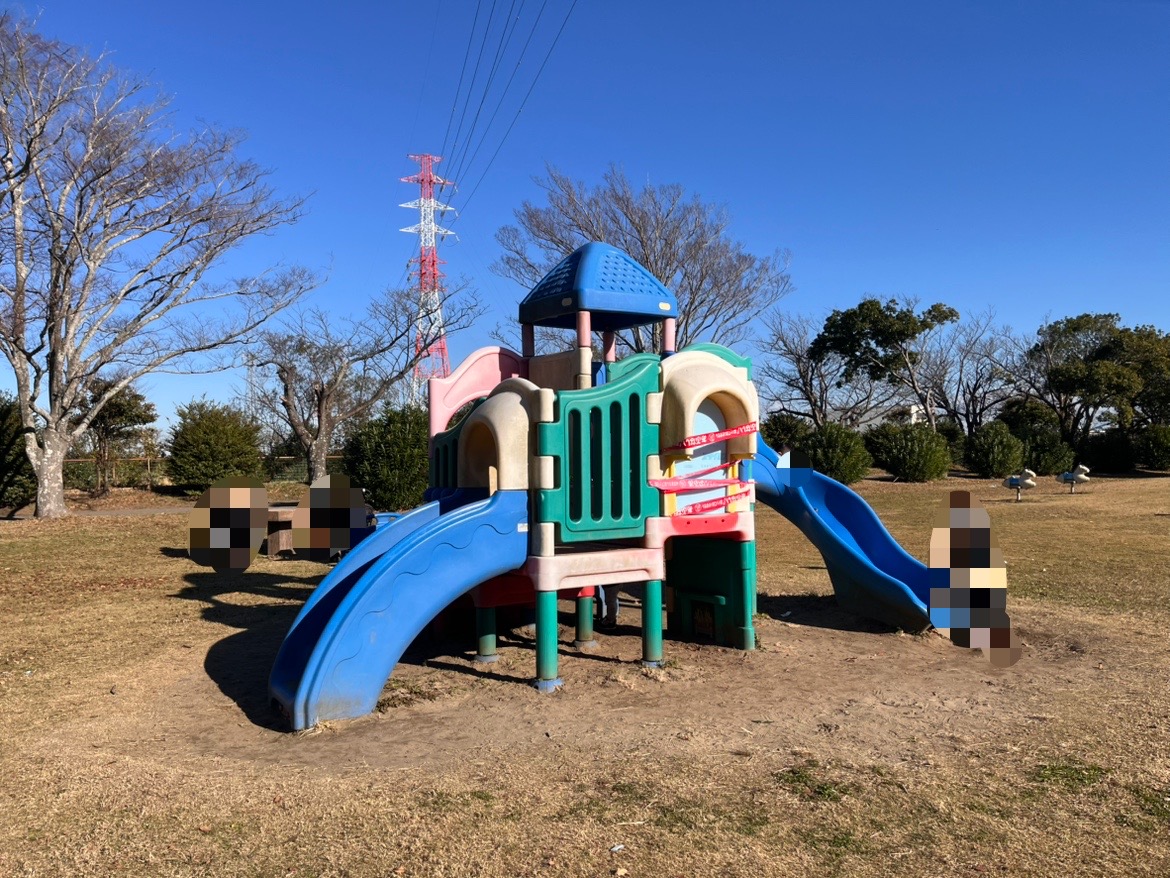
929	756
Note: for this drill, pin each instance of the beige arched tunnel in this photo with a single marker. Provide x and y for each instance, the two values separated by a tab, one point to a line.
494	443
690	378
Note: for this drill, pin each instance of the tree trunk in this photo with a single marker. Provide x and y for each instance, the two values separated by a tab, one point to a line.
49	464
318	465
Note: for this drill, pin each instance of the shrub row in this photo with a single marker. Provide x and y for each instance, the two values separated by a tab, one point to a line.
911	452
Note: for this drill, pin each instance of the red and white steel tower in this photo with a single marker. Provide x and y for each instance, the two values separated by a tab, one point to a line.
430	338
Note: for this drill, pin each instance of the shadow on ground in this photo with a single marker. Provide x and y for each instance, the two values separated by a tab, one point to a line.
239	663
817	611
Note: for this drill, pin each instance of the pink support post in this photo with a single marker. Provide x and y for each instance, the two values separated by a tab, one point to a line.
584	330
668	335
527	340
609	345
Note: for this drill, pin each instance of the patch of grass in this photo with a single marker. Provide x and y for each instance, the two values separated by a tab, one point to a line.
749	822
1070	773
442	802
404	693
682	815
833	844
628	792
980	806
803	780
1155	803
585	808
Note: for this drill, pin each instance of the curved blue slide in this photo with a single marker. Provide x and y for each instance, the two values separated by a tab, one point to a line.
871	573
336	585
344	644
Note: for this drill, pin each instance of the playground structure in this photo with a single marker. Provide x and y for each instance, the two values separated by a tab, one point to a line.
569	473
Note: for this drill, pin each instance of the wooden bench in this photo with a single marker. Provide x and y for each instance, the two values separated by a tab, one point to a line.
280	535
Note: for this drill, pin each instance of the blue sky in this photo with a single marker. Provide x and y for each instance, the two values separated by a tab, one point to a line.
977	153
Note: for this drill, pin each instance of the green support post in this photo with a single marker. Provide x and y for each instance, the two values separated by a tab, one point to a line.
745	629
652	624
485	632
584	624
546	642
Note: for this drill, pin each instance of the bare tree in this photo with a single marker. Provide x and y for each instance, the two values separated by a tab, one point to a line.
795	383
962	367
110	223
320	371
680	239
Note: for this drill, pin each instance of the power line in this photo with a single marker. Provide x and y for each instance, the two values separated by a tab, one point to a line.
459	159
426	71
474	76
523	103
462	70
507	87
466	156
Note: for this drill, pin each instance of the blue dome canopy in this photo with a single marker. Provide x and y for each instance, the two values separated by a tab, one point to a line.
616	290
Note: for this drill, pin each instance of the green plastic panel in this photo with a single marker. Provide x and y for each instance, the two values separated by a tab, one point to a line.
714	583
600	441
444	469
620	369
723	354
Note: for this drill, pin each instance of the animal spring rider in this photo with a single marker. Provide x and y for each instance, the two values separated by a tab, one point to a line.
1078	476
1024	481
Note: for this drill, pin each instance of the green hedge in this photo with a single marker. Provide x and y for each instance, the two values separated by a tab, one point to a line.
780	430
18	482
911	452
1154	447
210	442
387	457
994	452
837	452
1110	451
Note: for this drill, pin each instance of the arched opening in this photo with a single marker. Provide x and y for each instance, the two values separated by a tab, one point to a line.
478	458
708	462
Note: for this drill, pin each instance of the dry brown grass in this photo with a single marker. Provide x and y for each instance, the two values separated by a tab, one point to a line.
136	739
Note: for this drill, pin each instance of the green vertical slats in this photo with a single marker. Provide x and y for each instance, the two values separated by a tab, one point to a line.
601	463
584	465
635	446
600	441
621	459
571	475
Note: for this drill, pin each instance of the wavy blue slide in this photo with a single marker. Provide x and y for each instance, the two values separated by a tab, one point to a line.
872	575
362	617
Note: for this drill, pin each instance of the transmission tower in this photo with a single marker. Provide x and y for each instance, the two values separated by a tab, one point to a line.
430	338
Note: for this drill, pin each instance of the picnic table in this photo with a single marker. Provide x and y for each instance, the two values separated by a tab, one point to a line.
280	524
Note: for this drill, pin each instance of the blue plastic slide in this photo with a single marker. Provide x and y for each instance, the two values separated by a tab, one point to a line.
872	575
344	644
320	606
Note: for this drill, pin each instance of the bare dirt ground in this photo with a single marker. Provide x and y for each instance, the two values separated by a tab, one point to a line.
138	740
